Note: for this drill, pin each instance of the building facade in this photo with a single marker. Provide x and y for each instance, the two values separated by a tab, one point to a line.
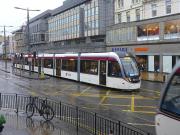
135	10
17	41
80	26
154	42
38	31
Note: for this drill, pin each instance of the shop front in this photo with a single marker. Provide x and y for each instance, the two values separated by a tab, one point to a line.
152	58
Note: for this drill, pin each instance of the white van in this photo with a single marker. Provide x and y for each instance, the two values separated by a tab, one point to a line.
168	116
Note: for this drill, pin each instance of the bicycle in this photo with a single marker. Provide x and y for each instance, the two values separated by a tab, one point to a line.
44	110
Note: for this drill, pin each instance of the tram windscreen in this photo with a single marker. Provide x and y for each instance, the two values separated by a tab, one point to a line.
130	66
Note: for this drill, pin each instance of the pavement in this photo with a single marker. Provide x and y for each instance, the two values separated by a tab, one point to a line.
21	125
22	73
29	75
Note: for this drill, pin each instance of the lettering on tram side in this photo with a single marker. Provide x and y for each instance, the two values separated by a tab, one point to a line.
68	74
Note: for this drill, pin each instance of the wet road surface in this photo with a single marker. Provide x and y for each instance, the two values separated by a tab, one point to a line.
137	108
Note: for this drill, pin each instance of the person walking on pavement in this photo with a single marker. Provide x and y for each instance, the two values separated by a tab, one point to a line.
111	132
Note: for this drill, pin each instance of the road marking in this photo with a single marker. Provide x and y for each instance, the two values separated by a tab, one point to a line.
116	96
104	97
143	112
141	124
152	107
132	103
64	89
84	91
33	93
154	91
116	105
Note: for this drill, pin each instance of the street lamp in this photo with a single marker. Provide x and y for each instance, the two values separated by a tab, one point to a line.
5	52
27	9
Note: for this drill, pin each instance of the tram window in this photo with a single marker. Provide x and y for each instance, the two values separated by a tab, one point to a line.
171	100
89	67
114	69
69	65
26	61
36	62
48	63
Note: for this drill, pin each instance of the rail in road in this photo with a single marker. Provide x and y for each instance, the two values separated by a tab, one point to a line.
80	118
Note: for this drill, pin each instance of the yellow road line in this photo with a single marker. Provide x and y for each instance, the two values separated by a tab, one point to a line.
155	91
104	97
66	88
116	105
33	93
141	124
132	103
116	96
84	91
152	107
143	112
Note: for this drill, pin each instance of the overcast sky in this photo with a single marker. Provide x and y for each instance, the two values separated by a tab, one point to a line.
11	16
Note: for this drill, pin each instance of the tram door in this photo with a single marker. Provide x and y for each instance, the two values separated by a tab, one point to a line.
39	65
102	77
58	67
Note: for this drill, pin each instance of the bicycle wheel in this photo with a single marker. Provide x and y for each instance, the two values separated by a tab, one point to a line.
48	113
29	110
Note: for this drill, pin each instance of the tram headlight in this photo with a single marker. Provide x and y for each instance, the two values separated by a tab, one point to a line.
130	79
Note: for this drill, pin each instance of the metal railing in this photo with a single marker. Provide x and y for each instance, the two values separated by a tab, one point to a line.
80	118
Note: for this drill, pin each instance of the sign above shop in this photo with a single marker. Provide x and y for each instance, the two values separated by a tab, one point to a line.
119	49
141	49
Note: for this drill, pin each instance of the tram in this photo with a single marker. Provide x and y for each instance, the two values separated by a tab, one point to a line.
110	69
168	116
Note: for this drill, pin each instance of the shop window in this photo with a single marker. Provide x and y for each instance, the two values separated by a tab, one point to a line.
114	69
89	67
167	64
48	63
156	63
173	61
142	62
172	29
69	65
148	32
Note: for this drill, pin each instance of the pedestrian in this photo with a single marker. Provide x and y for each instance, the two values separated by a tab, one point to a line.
111	132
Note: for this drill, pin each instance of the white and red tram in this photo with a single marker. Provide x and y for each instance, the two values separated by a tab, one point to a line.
109	69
